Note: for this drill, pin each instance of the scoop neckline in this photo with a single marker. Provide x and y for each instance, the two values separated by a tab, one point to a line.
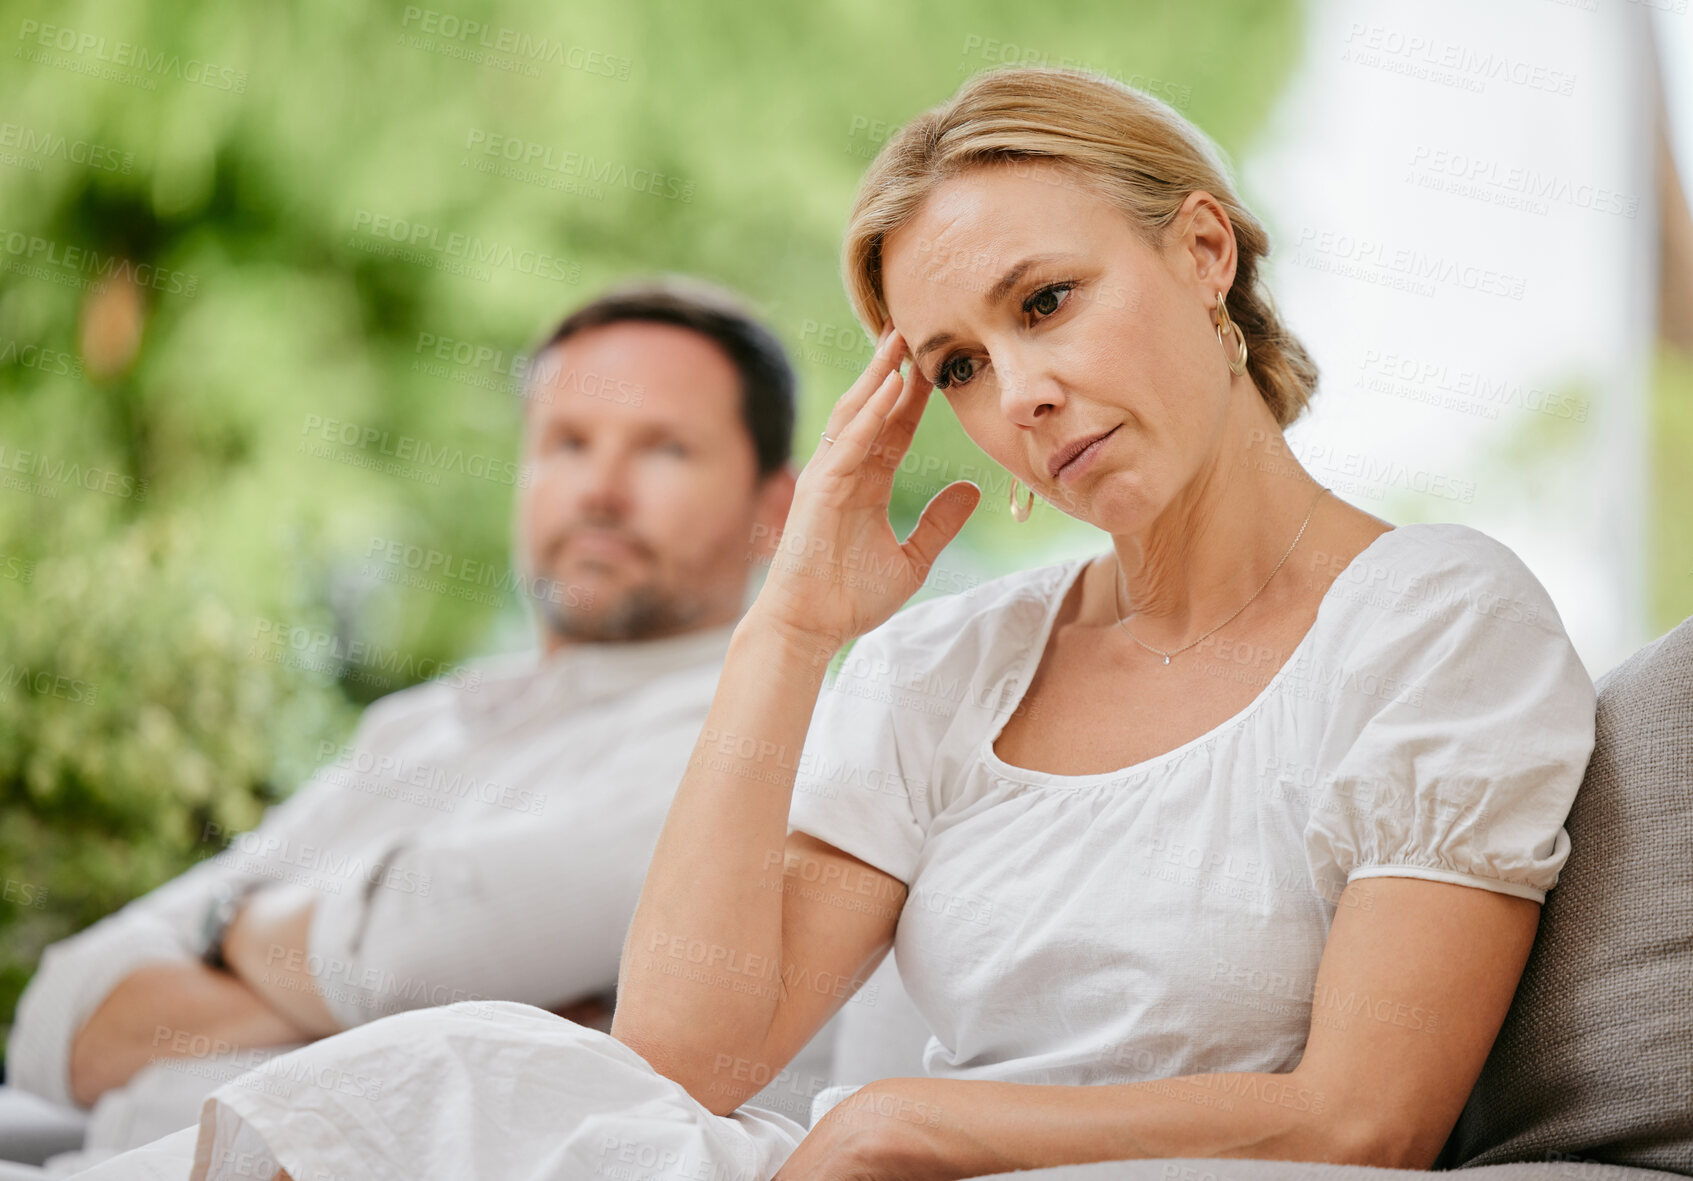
1029	777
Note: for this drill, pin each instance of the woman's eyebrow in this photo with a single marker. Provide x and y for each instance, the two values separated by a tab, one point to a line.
1013	276
934	342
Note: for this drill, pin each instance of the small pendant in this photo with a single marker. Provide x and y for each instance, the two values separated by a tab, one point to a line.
1166	660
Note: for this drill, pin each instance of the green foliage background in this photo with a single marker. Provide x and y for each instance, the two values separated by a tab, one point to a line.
169	516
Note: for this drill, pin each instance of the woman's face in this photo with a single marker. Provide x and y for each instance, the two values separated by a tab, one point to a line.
1047	323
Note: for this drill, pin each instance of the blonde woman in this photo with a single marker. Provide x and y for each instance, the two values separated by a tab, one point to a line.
1226	842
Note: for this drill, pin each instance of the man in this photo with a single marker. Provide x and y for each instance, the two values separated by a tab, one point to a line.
483	835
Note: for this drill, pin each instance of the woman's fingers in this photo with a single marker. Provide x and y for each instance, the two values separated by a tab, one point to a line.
854	440
901	425
941	519
885	359
880	434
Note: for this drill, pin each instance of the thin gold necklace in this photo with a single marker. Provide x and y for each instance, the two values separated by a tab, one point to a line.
1116	596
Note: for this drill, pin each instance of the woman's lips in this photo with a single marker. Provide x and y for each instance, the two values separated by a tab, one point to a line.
1084	458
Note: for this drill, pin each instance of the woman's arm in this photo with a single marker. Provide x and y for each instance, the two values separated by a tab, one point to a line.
1412	989
744	941
743	944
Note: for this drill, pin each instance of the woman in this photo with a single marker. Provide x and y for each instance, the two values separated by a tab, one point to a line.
1228	841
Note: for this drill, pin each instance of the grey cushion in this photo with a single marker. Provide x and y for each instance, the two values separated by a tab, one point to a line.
1186	1169
32	1129
1595	1058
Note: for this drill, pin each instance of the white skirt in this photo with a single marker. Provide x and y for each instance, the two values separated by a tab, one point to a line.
490	1089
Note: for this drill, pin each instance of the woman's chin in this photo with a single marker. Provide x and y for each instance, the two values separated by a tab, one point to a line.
1117	502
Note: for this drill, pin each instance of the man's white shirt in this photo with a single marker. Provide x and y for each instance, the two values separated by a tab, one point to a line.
482	836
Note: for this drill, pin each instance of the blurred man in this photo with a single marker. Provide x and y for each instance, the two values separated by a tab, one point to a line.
484	835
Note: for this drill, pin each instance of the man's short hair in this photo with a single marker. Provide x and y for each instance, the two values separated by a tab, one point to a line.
767	378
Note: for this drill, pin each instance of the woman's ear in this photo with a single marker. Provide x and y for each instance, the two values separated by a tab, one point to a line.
1207	242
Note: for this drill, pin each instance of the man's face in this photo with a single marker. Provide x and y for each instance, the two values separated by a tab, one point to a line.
639	518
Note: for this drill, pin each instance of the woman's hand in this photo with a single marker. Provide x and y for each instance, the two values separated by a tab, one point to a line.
847	1144
836	1149
884	1131
839	571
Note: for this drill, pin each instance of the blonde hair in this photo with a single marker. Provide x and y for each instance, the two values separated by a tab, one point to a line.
1135	150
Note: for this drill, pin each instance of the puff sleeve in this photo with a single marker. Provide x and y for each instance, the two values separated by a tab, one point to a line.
863	780
1462	725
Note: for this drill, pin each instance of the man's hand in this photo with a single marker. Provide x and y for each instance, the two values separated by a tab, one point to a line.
266	946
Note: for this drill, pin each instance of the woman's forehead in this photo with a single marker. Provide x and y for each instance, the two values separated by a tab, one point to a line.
974	230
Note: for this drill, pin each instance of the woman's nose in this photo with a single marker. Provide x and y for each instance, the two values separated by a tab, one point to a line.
1026	390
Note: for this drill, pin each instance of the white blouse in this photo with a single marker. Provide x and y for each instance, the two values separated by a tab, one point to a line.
1168	918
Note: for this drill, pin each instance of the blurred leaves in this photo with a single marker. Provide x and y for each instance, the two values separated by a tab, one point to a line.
195	297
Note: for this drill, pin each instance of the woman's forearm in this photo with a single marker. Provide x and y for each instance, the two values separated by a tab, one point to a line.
939	1129
701	980
701	966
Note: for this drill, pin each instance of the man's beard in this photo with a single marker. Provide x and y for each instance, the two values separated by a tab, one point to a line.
643	612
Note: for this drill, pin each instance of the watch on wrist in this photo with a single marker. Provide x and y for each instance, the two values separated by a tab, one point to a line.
221	911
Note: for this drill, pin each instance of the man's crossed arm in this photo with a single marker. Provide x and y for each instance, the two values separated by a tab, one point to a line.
176	1009
269	996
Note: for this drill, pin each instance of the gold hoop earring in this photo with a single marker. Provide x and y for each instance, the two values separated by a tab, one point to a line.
1237	363
1020	512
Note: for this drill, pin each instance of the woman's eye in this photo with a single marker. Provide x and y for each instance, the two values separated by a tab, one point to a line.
958	370
1048	299
955	371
